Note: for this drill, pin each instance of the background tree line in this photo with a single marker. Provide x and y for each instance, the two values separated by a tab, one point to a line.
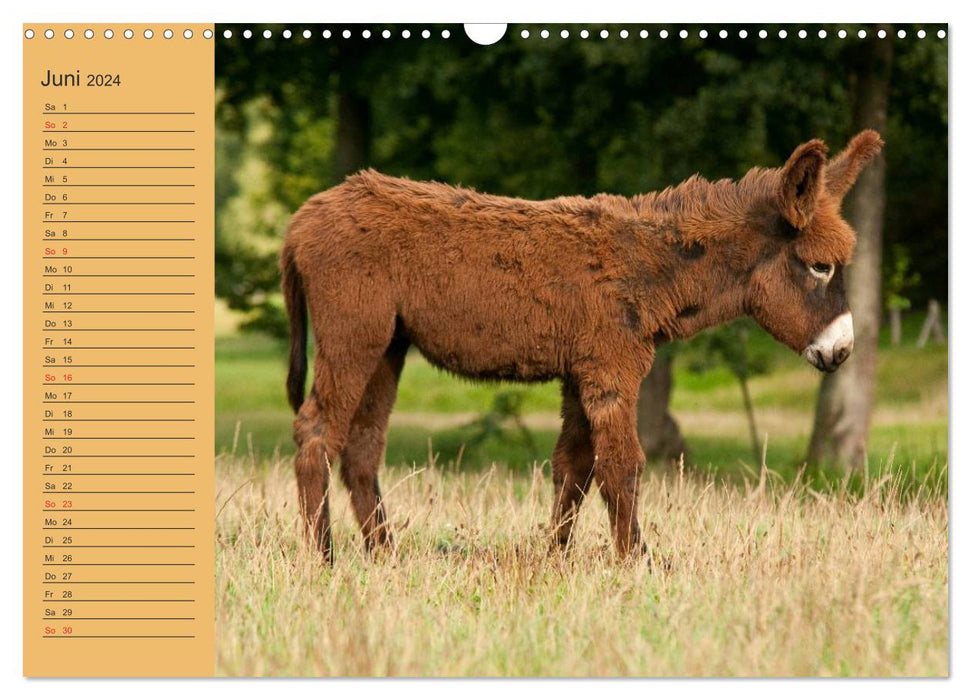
539	118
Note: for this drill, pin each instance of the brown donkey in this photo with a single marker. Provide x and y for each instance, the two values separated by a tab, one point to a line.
577	289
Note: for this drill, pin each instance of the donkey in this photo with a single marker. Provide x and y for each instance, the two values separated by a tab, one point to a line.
577	289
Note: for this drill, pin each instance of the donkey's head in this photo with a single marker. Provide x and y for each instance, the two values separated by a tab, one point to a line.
797	291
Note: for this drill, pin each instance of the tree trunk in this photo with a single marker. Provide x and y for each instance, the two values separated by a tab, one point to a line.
753	432
353	132
657	429
844	407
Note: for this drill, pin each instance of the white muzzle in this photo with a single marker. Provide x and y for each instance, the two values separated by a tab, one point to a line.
829	349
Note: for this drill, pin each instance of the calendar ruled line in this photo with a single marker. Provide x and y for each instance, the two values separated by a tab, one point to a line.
125	600
64	148
124	113
159	619
71	527
120	636
118	131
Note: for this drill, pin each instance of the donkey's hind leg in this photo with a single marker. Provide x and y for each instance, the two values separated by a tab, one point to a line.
572	466
365	447
313	475
324	423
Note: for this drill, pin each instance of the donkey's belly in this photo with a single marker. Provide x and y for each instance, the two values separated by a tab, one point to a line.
487	346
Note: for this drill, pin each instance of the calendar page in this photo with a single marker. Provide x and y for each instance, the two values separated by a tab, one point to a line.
526	350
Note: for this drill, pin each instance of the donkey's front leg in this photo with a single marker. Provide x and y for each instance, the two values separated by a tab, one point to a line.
619	461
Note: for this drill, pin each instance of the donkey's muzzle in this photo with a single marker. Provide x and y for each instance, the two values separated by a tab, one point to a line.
833	345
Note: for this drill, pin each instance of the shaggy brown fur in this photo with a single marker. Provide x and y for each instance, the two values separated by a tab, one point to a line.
571	288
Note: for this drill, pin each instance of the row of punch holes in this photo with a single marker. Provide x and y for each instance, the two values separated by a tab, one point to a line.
110	34
524	33
583	33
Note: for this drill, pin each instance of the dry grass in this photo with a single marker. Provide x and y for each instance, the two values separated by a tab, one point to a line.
765	580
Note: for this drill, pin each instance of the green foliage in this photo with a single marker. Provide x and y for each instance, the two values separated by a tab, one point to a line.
898	277
504	421
731	346
538	119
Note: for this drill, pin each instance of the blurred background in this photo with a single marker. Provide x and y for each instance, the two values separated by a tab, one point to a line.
539	116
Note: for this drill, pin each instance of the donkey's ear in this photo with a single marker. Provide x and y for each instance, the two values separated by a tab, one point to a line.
842	171
801	183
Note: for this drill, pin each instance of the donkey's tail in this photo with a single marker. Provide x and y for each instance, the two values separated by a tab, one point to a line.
296	304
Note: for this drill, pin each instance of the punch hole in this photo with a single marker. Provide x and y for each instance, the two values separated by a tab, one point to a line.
803	33
921	33
68	33
187	34
821	34
742	34
405	33
425	33
624	34
565	34
524	34
49	34
346	34
941	34
644	34
683	34
227	34
763	34
703	34
545	34
783	33
29	34
148	33
207	33
723	34
901	34
326	34
386	34
861	34
366	34
168	34
663	34
882	34
841	33
485	34
129	33
267	34
109	33
584	33
446	34
247	33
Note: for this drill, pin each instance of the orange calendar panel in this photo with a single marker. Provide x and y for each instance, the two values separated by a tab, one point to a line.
118	350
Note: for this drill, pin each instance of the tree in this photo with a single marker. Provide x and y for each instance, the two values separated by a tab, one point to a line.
658	431
844	407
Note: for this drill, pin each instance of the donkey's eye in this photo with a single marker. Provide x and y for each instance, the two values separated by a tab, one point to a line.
822	268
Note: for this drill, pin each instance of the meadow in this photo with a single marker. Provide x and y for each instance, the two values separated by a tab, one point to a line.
756	567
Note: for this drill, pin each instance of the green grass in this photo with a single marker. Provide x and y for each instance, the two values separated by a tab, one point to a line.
910	426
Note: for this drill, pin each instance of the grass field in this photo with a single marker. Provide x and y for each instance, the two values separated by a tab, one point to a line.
780	580
780	571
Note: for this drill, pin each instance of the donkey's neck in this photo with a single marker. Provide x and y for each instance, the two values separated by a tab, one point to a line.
699	240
